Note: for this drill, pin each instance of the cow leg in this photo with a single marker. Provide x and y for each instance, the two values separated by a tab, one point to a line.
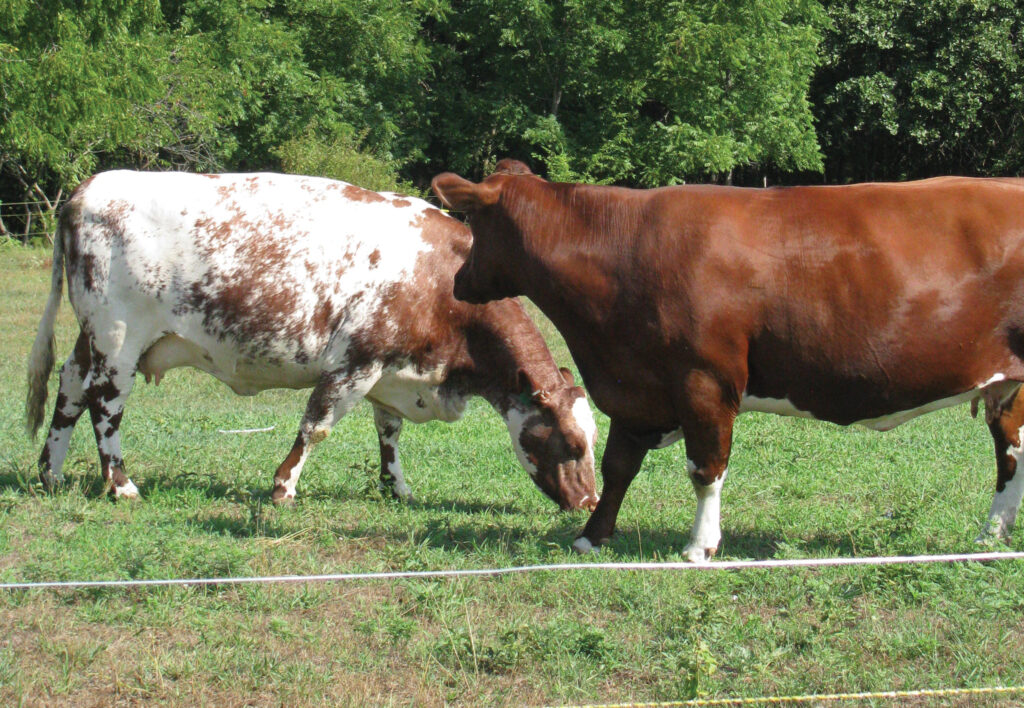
706	533
1007	428
108	385
333	396
389	427
70	405
623	456
707	432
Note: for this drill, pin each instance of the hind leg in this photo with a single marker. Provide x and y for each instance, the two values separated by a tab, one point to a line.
392	481
333	396
110	380
69	407
1007	428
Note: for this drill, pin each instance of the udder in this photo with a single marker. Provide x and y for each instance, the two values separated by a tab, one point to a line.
171	352
243	376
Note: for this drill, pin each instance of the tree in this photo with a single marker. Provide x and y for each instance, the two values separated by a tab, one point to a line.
632	92
919	89
96	85
202	85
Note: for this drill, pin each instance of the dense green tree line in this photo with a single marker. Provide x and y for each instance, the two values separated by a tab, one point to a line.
387	92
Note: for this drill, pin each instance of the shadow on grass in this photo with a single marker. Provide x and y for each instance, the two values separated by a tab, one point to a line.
255	526
460	507
458	536
25	481
451	526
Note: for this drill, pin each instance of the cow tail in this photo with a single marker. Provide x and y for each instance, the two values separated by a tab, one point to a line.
41	360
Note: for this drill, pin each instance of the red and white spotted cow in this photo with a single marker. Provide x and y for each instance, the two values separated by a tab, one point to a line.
276	281
686	306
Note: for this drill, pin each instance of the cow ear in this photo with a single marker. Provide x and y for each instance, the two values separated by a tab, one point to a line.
461	194
567	376
523	384
523	388
508	166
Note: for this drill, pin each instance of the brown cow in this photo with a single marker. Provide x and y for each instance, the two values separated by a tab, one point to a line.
686	306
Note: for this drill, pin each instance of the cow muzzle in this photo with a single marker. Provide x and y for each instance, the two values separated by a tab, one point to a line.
464	290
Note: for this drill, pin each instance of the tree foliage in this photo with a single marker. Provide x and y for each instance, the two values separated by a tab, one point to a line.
641	92
389	92
919	89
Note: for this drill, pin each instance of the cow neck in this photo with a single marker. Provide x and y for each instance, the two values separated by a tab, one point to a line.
507	343
571	247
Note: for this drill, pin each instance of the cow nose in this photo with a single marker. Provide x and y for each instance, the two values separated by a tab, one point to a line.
459	287
463	290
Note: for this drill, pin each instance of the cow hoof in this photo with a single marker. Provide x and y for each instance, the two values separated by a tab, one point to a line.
401	494
281	498
583	546
126	491
51	482
990	538
700	555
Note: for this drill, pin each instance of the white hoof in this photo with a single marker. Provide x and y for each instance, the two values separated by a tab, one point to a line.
128	491
583	546
994	531
699	554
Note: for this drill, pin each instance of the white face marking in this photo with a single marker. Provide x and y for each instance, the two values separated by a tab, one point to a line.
585	419
515	419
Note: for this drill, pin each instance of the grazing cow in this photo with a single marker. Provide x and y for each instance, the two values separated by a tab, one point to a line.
686	306
276	281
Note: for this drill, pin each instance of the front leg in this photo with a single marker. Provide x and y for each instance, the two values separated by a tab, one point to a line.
333	396
1007	428
389	428
707	431
706	533
623	456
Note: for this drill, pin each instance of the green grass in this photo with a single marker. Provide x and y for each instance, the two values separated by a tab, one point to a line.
796	488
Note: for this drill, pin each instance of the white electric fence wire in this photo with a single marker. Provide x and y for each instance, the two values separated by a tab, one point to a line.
818	698
456	573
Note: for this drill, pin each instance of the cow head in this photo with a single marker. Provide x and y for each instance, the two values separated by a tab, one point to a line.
553	434
489	272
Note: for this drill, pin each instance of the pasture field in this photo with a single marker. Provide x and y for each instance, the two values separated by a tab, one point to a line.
796	489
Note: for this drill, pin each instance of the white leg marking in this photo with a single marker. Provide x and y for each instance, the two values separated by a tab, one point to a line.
109	388
1005	504
332	397
389	428
706	532
58	440
292	480
126	491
